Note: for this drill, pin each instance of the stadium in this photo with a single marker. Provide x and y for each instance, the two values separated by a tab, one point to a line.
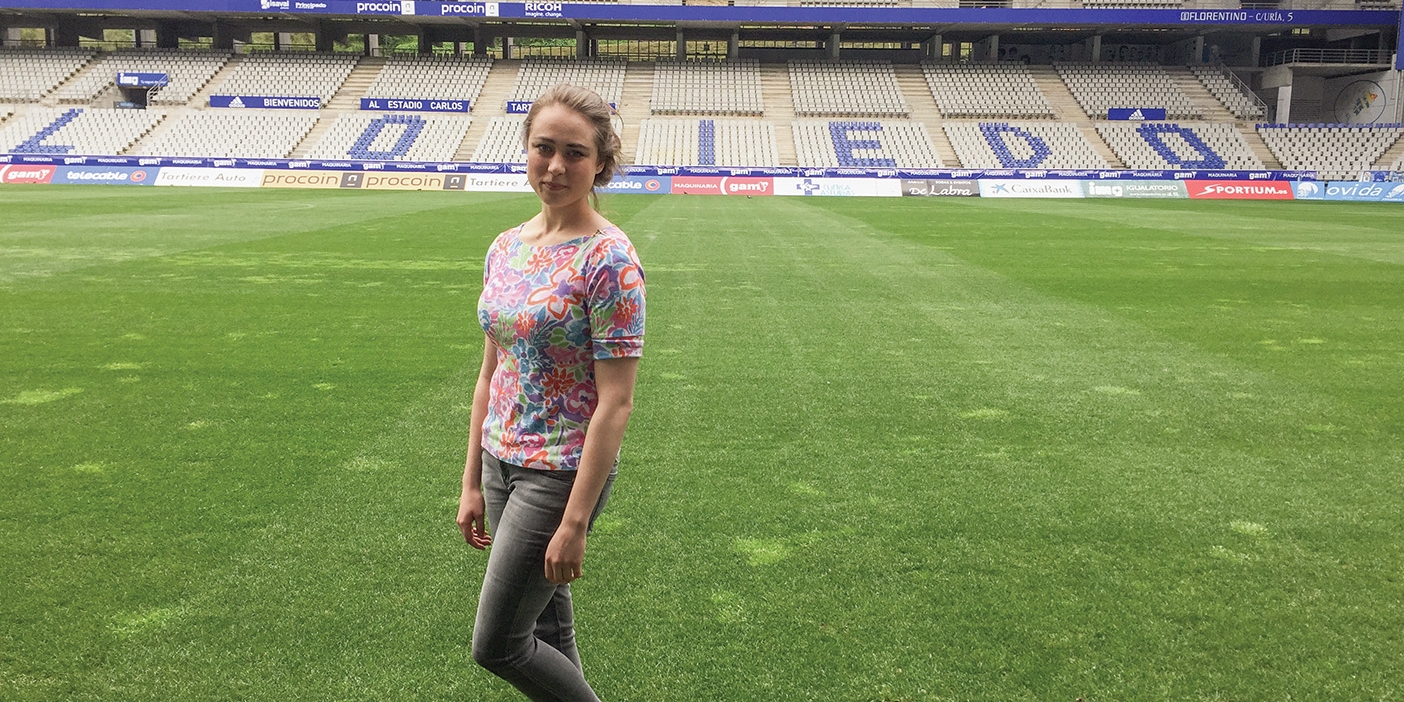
1053	353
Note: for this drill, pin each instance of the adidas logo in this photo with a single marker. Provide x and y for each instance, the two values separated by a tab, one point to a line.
1137	115
236	102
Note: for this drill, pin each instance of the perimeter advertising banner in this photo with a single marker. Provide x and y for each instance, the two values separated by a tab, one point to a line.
105	175
1239	189
18	174
1032	188
209	177
1349	191
1159	189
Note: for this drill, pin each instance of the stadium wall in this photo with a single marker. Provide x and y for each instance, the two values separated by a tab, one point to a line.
750	182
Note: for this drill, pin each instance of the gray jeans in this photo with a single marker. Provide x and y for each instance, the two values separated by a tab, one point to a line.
525	632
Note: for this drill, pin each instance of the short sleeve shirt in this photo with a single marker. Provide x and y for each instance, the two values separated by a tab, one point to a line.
553	311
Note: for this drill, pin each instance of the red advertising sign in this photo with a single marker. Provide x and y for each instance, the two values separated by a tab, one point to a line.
1239	189
697	185
17	173
748	186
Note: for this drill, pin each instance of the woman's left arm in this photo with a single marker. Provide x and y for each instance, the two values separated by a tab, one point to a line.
614	381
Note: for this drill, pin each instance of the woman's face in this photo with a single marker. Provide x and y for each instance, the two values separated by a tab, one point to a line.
562	160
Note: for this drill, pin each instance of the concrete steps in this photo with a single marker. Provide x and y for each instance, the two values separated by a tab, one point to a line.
319	130
1392	154
1089	132
633	106
911	80
348	96
779	110
1211	110
1258	147
492	102
1065	107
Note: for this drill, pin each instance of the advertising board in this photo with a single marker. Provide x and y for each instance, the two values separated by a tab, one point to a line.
209	177
1239	189
1160	189
414	105
105	175
17	174
1031	188
266	102
940	188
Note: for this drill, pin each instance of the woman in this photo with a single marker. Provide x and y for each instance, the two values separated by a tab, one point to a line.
563	310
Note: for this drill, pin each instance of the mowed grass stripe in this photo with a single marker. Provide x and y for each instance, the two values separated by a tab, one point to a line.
881	451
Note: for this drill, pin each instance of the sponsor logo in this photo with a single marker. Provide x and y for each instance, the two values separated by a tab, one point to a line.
542	9
1137	189
372	166
463	8
697	185
223	163
148	161
497	183
747	186
310	5
236	102
352	180
447	167
1307	190
301	179
209	177
393	8
75	161
101	175
1137	114
1396	194
1031	188
1239	190
275	4
940	188
455	182
1355	191
17	175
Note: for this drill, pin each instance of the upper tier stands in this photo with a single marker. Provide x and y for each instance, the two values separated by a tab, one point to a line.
1101	86
849	88
431	78
232	134
289	74
707	88
76	130
26	75
1156	145
1242	105
393	137
503	141
1022	145
707	142
187	71
885	144
604	76
985	90
1339	152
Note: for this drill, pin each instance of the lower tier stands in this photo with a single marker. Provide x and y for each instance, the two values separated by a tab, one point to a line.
26	75
76	130
985	90
187	72
502	143
1043	145
707	142
393	137
237	134
884	144
1156	145
1338	152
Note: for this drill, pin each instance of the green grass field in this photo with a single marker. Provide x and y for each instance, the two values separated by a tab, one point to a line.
918	449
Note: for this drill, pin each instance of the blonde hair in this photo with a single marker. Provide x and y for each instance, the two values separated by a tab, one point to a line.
588	104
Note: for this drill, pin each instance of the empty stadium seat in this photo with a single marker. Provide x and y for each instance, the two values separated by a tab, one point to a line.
706	142
502	142
26	75
985	90
1098	87
1041	145
848	88
431	78
864	144
1156	145
707	88
289	74
393	137
79	131
604	76
187	72
1337	151
1229	93
238	134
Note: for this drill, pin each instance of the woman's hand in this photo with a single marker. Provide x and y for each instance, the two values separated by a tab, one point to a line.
472	520
565	556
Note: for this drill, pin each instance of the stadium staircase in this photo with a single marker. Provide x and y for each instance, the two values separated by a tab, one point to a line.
348	96
1100	145
1065	107
1391	156
633	106
780	110
201	100
492	102
912	82
325	120
1259	149
1210	108
51	100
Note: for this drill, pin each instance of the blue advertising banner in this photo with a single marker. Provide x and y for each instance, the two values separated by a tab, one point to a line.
747	14
1154	114
134	79
652	185
414	105
1349	191
105	175
266	102
518	107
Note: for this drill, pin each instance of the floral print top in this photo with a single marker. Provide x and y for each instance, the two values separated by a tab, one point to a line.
553	311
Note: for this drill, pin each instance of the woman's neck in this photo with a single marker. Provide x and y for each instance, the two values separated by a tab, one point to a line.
558	224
